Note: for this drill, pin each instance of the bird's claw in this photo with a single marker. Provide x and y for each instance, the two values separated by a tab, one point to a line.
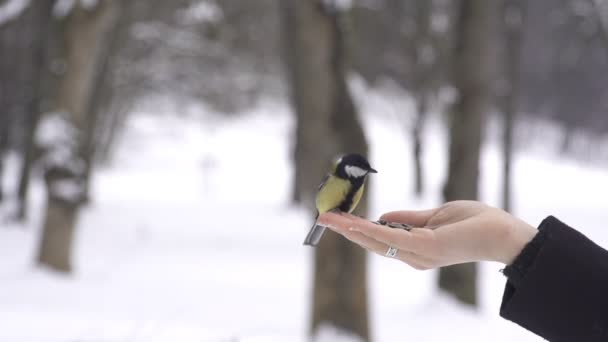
336	211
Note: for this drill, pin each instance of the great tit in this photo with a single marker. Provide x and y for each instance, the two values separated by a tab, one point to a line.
340	190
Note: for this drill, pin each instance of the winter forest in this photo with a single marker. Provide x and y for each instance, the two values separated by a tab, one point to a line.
159	160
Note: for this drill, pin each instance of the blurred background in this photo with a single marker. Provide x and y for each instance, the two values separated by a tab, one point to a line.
159	159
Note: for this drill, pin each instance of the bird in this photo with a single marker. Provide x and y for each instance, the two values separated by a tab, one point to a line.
340	190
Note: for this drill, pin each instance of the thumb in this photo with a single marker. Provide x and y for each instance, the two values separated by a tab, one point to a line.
416	218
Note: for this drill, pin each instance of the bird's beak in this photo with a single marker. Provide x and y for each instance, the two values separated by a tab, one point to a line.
372	170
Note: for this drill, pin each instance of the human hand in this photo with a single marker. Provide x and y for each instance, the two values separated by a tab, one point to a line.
456	232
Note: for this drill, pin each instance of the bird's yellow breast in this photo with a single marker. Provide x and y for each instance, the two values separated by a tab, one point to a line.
333	192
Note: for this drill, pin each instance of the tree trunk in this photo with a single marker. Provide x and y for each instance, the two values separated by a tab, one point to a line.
417	138
112	112
36	25
601	10
27	160
5	80
308	46
58	235
85	35
507	152
99	100
514	16
24	54
109	129
326	125
11	44
473	57
423	52
3	149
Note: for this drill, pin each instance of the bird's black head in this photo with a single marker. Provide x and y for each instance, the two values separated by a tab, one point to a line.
353	166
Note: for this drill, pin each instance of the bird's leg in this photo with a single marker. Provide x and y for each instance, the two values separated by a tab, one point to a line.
359	216
336	211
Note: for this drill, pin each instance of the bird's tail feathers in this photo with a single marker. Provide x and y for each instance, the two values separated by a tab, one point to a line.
314	234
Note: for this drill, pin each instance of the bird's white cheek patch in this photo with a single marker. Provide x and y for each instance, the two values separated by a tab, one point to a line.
354	171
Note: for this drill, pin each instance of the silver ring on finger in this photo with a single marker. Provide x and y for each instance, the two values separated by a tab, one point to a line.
391	252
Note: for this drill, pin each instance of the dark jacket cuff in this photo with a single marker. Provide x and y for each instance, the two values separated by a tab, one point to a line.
516	272
558	286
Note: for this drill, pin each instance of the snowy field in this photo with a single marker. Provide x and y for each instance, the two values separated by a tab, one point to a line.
190	238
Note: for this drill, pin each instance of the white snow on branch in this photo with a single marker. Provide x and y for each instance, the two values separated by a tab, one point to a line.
64	7
440	23
11	9
58	139
201	12
68	189
338	5
54	130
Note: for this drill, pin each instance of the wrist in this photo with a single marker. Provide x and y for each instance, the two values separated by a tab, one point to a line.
519	235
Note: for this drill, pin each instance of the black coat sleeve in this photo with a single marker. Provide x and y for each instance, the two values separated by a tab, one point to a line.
558	286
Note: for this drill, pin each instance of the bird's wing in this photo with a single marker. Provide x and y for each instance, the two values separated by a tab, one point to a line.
323	181
332	193
357	197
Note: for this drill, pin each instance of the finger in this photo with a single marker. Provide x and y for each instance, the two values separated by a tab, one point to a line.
390	236
355	219
336	222
416	218
416	261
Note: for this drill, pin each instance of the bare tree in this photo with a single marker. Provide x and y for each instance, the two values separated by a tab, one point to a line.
513	22
33	62
100	100
326	124
23	34
85	37
474	56
424	53
601	9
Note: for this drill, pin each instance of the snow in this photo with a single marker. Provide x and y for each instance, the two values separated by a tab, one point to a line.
440	22
64	7
330	333
11	9
337	6
201	12
70	190
57	139
180	245
53	130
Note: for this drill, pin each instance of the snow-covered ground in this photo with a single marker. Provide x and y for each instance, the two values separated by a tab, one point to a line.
190	238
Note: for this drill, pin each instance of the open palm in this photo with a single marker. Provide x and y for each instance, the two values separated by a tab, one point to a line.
456	232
